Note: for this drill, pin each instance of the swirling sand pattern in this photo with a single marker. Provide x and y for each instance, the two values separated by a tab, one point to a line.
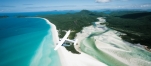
109	48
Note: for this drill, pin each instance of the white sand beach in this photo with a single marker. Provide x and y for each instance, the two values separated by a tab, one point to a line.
69	59
110	49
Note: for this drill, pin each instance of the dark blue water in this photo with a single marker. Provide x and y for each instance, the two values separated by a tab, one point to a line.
33	14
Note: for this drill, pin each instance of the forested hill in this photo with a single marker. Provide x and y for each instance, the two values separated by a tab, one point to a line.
137	26
73	22
136	15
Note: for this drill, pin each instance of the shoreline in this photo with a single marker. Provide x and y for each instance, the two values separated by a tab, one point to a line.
55	39
45	49
69	59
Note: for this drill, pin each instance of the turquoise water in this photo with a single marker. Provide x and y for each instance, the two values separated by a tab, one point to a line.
22	38
108	48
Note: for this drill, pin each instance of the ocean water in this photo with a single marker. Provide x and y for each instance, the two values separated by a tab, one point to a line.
34	14
26	42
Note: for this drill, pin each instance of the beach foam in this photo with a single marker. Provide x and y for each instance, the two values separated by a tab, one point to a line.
45	55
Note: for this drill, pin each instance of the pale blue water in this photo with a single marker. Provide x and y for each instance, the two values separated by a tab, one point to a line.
110	49
20	40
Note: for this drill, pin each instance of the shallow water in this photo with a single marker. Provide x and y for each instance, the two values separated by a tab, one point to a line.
22	38
110	49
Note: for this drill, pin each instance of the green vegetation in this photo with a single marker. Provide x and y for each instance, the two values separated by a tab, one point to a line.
74	22
72	48
137	26
103	23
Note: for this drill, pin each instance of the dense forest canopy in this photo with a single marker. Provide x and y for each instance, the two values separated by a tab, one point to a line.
73	22
137	26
